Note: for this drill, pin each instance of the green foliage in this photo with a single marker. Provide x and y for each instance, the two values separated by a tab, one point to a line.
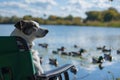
70	17
27	17
105	16
110	15
94	16
52	17
14	19
117	78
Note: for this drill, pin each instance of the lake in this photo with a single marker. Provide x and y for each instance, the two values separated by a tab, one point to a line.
88	38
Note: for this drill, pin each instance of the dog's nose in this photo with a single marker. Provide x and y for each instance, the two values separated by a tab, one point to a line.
46	31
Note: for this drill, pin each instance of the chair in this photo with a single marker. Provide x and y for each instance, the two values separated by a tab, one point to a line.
16	62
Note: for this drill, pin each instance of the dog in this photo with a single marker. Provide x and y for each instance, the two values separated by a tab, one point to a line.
30	30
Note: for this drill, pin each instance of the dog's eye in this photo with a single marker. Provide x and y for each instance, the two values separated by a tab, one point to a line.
34	25
34	28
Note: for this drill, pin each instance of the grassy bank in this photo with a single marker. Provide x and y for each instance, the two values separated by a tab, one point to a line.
66	22
103	24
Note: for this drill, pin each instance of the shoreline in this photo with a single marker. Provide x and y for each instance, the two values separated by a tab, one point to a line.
104	25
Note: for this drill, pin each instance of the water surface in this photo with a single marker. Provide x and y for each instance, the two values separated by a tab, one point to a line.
85	37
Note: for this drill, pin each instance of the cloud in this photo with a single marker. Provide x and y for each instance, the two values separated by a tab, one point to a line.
30	7
103	4
55	7
13	4
82	6
93	4
7	12
45	4
76	7
12	7
52	2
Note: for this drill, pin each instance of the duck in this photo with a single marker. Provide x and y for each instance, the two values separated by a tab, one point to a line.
41	60
74	70
108	57
43	45
97	60
103	49
100	66
79	53
61	49
55	52
53	61
118	51
65	53
75	46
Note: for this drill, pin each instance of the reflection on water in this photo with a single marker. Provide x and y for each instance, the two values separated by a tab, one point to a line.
88	38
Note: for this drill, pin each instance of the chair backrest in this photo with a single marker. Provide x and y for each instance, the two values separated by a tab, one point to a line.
15	59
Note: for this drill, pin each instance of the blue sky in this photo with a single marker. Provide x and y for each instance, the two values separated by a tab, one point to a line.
63	8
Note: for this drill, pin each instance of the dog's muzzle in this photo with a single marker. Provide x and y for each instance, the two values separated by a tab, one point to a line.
46	31
41	33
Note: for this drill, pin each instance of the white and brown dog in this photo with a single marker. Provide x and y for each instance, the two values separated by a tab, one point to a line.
30	30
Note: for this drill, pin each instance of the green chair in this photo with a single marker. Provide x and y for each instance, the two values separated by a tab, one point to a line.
16	62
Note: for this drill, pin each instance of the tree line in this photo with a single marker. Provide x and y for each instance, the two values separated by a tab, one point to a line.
110	17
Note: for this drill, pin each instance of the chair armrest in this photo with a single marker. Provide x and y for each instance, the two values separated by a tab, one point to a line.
56	72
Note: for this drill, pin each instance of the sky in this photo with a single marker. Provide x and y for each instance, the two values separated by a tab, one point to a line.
40	8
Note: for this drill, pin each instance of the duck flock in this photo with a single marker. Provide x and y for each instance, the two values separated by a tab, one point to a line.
105	55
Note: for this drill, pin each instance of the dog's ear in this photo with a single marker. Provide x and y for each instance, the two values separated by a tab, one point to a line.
19	25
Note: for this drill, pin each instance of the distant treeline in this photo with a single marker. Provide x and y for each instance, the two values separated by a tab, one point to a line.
110	17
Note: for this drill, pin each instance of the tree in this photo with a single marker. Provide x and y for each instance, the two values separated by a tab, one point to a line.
39	20
69	17
51	17
93	16
27	17
77	20
110	14
14	19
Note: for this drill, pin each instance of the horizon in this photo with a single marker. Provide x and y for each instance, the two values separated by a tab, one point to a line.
62	8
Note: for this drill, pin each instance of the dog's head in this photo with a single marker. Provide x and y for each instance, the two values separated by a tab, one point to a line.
31	28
